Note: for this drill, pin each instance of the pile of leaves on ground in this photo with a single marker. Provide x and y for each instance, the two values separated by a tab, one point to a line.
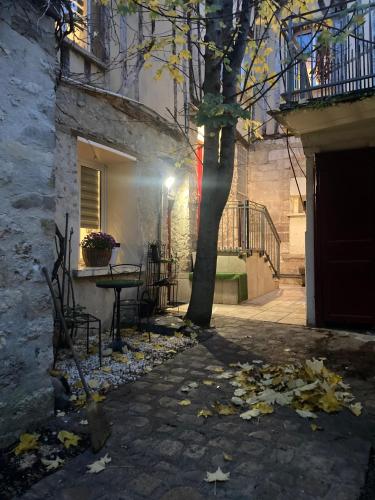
36	455
307	387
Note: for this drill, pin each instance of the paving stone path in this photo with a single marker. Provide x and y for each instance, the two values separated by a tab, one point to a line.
161	450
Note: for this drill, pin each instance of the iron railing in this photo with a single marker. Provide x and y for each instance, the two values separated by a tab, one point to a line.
247	227
334	49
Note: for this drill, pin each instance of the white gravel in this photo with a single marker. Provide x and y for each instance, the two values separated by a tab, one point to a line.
119	369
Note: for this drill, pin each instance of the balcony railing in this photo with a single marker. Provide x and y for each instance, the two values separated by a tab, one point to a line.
334	49
247	227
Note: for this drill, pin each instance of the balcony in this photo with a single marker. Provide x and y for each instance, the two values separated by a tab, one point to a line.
335	53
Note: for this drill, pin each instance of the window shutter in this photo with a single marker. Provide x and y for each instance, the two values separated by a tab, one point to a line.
98	21
90	198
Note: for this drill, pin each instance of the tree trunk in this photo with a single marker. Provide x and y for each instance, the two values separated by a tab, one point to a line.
217	167
214	196
203	285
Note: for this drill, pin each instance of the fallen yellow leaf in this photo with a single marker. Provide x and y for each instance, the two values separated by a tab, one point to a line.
158	347
264	408
225	409
27	442
119	357
314	366
80	400
329	403
205	413
68	439
248	415
214	368
356	409
139	356
98	397
184	402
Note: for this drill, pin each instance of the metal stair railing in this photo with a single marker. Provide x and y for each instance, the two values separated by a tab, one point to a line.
247	226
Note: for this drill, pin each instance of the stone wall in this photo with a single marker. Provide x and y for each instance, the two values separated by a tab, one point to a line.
27	141
124	126
270	175
184	221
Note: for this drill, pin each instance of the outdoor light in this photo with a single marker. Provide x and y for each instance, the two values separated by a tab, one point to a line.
200	134
169	181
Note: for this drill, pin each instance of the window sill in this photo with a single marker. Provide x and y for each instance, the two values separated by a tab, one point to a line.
86	54
88	272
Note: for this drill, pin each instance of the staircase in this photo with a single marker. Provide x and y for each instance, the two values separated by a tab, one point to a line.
246	231
246	227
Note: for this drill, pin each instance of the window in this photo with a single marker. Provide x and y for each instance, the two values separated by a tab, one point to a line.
80	34
316	58
306	69
93	182
89	17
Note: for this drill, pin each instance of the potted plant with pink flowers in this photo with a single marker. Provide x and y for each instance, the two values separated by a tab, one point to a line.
97	249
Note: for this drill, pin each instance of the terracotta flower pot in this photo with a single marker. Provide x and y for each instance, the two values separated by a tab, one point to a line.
96	257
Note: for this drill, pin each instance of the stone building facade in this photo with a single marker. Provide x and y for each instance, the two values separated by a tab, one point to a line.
27	209
272	182
137	149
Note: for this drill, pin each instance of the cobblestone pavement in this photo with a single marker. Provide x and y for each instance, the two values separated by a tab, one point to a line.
161	450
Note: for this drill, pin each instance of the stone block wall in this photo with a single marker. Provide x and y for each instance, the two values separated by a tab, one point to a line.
27	141
269	181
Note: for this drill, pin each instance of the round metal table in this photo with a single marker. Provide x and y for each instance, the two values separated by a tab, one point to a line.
118	285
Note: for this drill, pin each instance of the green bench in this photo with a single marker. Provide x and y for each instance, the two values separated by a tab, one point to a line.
230	288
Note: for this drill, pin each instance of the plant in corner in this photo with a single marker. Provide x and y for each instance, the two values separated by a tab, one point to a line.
97	249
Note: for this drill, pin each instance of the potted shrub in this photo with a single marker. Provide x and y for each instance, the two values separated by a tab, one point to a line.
97	249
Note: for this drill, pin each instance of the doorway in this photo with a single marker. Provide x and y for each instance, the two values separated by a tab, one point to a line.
345	238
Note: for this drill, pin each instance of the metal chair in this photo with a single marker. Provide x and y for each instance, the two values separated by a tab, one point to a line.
133	271
77	319
75	316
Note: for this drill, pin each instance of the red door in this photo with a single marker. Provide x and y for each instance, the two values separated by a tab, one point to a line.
345	238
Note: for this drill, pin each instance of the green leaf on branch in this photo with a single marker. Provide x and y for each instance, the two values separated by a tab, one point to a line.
217	114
